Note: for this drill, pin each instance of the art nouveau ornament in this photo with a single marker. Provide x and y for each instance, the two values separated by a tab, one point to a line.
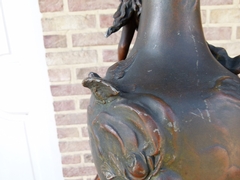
170	111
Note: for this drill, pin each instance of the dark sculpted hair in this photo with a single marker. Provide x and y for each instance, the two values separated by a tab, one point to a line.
126	10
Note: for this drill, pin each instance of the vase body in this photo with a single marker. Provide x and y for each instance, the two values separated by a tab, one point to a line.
170	110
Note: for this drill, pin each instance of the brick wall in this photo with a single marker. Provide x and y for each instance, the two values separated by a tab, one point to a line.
75	45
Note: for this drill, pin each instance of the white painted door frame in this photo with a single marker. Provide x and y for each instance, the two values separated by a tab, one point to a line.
28	139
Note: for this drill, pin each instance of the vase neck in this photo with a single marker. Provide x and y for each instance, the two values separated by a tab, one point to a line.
170	41
170	23
170	52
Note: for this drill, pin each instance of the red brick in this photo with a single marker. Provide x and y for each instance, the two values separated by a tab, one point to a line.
86	171
71	159
55	41
106	20
88	158
56	75
72	57
69	89
94	39
67	133
50	5
79	171
84	103
215	2
64	105
225	15
83	72
238	32
81	5
110	55
71	172
68	22
85	132
70	119
73	146
203	16
218	33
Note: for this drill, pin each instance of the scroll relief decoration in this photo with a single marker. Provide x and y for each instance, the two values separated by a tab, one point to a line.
127	135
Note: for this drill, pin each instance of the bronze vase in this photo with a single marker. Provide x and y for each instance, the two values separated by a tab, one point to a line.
170	111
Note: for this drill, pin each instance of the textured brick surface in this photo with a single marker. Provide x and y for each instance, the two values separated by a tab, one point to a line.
75	45
73	146
79	171
50	5
64	105
83	72
106	20
83	104
71	159
216	2
65	23
225	16
71	119
93	39
72	89
110	55
67	133
59	75
218	33
55	41
203	16
88	158
82	5
85	132
238	32
72	57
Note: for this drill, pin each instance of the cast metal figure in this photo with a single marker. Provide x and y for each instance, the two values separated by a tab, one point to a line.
170	110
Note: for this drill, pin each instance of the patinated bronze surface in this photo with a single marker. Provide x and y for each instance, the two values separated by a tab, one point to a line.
170	111
127	16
